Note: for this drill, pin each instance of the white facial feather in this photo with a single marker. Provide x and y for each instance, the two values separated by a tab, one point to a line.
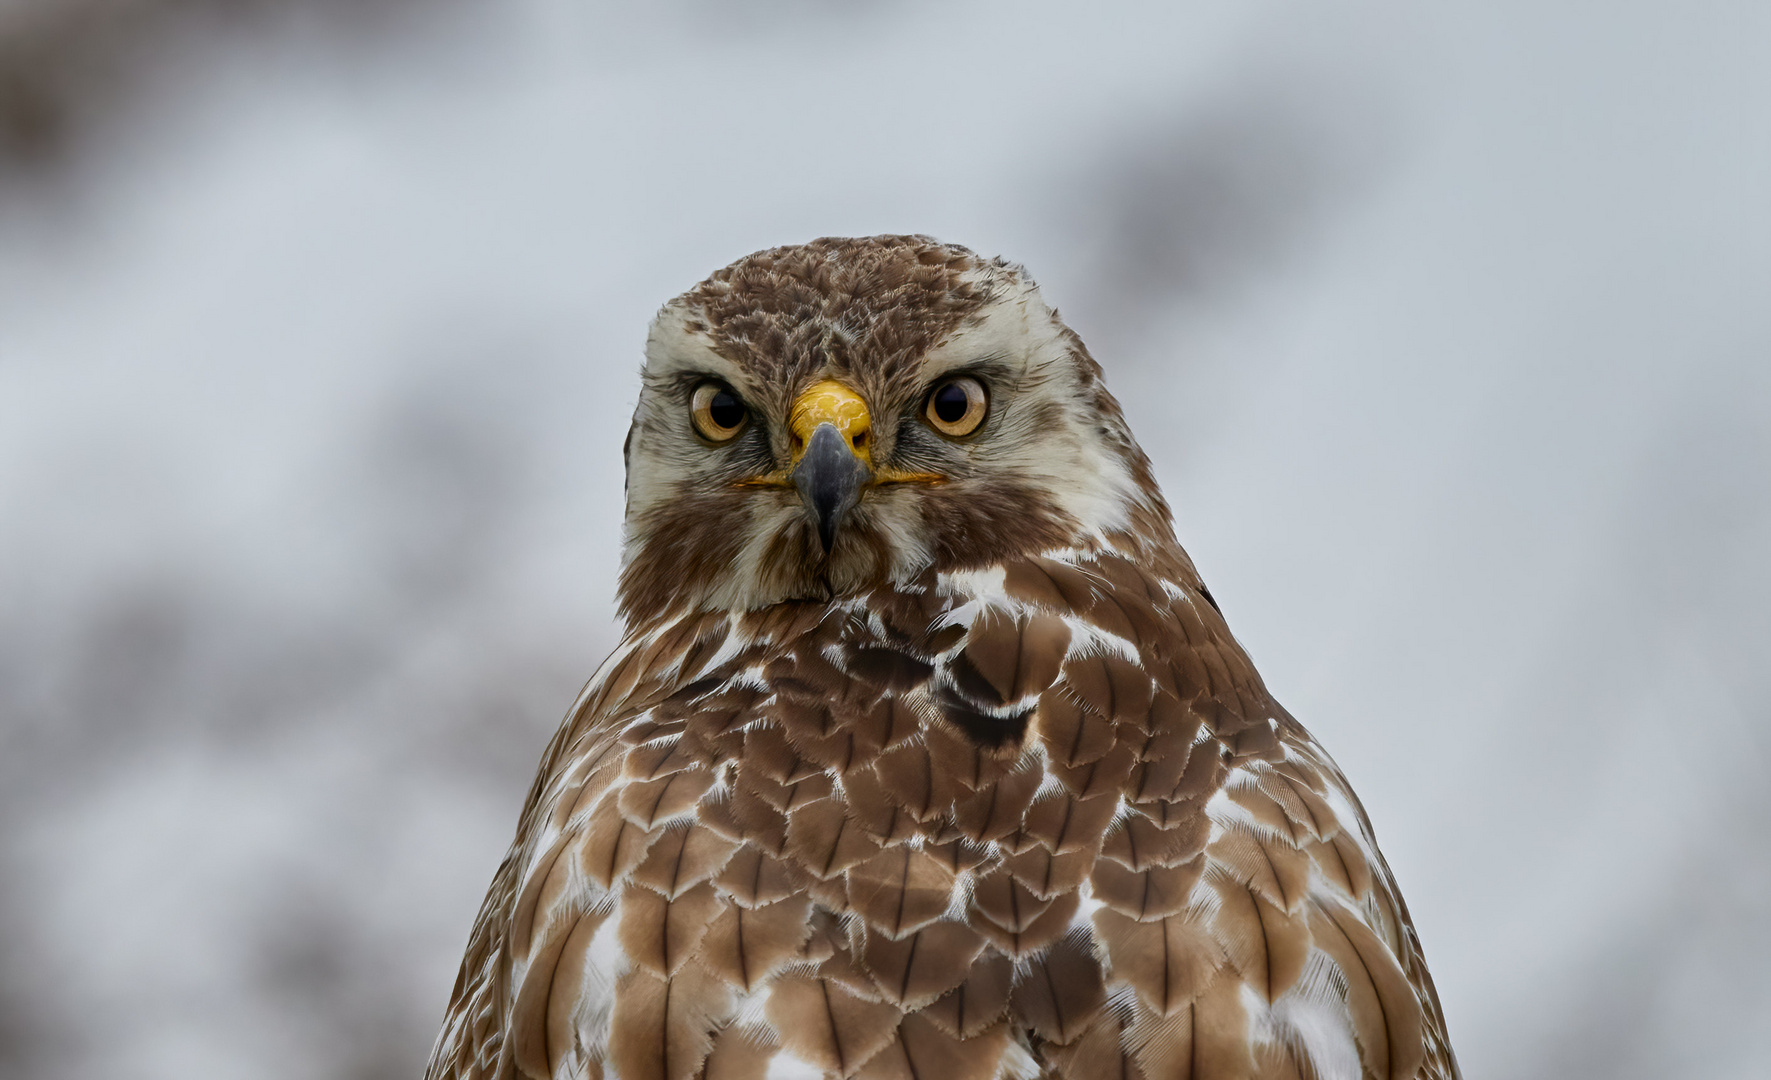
1084	477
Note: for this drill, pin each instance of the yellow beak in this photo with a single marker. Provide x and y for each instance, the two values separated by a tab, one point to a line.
832	456
830	402
831	460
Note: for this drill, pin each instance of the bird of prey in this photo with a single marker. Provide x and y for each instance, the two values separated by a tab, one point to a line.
926	754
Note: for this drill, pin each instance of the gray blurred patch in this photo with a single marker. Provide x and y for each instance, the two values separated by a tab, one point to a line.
68	66
1195	205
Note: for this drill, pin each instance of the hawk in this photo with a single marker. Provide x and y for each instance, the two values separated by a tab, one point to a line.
926	754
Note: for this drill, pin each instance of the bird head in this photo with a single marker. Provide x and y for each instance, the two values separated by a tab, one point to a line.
819	420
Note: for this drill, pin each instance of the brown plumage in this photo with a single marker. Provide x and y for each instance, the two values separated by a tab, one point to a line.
926	754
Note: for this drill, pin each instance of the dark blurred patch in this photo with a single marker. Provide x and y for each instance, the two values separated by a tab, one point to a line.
721	17
68	65
30	1027
310	953
1195	205
112	683
133	650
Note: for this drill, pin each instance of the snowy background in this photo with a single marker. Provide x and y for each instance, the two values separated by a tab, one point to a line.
1447	326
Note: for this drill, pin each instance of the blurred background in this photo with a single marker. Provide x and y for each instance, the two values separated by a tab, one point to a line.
1446	325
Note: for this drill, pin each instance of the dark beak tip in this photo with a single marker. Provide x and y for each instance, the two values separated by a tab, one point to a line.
829	478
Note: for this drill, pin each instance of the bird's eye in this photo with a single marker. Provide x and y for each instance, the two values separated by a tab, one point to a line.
956	407
718	413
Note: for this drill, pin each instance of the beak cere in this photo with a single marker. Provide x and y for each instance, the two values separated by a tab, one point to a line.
830	427
829	477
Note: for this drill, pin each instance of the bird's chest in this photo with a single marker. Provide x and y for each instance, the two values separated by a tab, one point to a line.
887	806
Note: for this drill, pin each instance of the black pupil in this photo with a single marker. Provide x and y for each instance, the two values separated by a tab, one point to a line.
724	409
951	403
